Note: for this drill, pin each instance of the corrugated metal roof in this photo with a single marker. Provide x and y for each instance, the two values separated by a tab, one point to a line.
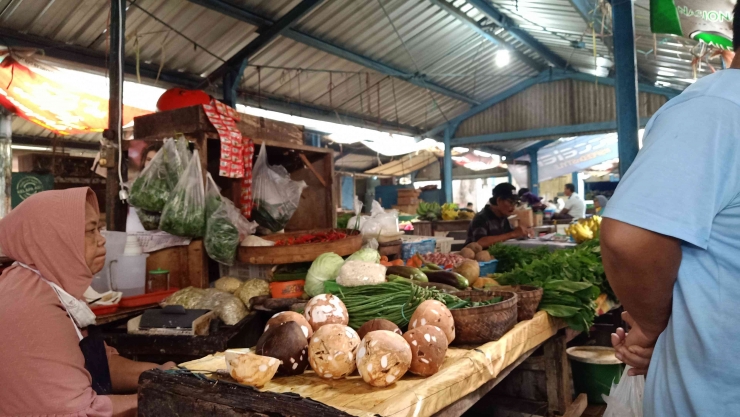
435	44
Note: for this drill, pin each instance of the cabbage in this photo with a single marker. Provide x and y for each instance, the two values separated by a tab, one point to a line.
365	255
324	268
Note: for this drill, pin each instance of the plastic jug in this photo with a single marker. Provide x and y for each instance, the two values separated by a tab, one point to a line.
128	274
115	242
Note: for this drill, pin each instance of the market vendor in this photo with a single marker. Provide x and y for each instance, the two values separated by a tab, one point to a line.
600	204
51	368
575	207
491	225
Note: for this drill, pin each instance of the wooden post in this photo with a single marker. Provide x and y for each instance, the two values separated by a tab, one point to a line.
557	375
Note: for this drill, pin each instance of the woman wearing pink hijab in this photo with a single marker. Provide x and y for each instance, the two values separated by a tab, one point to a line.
48	367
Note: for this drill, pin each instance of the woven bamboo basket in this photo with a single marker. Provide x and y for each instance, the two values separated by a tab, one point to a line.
529	299
487	323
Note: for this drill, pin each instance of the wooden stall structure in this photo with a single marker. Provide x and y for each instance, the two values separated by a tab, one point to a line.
284	146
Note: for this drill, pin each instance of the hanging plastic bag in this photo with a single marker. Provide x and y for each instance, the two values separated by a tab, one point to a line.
356	222
276	196
225	229
183	150
149	219
213	196
625	398
151	190
184	213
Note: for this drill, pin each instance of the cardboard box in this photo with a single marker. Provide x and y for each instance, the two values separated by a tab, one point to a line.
407	201
526	218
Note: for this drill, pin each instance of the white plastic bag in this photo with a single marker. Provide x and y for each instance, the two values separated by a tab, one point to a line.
225	229
184	214
625	398
213	196
380	222
356	222
276	196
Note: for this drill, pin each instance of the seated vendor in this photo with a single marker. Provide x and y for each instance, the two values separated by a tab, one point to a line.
50	369
575	207
491	225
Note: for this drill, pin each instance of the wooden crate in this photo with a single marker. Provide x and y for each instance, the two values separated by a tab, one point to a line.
410	209
408	201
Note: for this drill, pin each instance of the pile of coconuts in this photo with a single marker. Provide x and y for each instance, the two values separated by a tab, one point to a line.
470	268
320	338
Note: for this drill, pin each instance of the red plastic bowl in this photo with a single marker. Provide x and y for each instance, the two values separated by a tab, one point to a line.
103	310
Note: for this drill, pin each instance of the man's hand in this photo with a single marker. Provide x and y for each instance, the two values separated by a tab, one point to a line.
635	348
519	232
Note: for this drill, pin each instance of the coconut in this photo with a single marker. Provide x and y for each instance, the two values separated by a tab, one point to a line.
332	350
383	358
474	246
434	313
378	324
288	344
467	253
469	269
483	256
290	316
250	369
325	309
428	348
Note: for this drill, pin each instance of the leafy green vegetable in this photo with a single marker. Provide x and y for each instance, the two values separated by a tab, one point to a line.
221	240
184	213
324	268
151	190
343	219
148	219
365	255
510	256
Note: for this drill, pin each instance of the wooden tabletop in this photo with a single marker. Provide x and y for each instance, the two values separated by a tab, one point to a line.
121	313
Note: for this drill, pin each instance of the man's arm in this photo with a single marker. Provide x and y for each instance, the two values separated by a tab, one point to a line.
487	241
641	267
124	373
124	405
564	212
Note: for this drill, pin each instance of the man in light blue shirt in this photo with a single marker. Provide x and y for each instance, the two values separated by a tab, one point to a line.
671	250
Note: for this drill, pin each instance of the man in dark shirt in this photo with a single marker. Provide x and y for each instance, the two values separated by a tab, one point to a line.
491	225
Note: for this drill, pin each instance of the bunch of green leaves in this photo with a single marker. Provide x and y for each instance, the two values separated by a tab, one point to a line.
343	219
151	190
511	256
182	218
221	240
148	219
571	280
271	216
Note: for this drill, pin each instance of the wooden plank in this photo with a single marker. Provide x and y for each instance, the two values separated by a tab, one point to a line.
578	406
332	199
316	209
121	313
197	266
557	375
463	404
173	259
312	169
163	394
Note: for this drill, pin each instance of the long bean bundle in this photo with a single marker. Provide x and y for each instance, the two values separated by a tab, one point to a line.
395	301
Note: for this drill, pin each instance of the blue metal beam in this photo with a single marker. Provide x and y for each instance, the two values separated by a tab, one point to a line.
239	59
519	34
534	147
420	80
534	172
574	180
490	37
447	166
536	133
623	16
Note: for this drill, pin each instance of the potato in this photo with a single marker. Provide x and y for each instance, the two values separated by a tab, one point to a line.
467	253
474	246
483	256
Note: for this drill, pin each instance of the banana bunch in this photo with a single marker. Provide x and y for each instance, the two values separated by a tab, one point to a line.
429	211
585	229
465	215
449	211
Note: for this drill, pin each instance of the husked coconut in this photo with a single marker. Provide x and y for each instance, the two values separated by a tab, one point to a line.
483	256
428	348
331	351
250	369
383	358
287	344
287	316
378	324
325	309
434	313
467	253
474	246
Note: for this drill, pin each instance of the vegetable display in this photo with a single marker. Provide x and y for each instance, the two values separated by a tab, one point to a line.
225	228
151	190
571	280
510	257
365	255
429	211
447	260
312	238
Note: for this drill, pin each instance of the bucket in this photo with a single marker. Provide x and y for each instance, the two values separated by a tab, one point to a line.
128	275
595	369
287	289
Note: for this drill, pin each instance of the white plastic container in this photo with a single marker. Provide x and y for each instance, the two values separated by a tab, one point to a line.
115	243
128	274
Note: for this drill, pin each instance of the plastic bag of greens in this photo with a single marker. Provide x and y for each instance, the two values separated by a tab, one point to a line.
276	196
184	213
149	219
183	150
225	229
213	196
151	190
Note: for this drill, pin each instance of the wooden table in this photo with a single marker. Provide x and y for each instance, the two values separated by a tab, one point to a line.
466	378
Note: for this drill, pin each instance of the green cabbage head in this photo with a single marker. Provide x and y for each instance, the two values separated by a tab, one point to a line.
365	255
324	268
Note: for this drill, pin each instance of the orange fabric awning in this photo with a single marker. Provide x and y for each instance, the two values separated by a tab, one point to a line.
52	104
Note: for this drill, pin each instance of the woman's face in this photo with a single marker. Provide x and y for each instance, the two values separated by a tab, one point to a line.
94	241
597	205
